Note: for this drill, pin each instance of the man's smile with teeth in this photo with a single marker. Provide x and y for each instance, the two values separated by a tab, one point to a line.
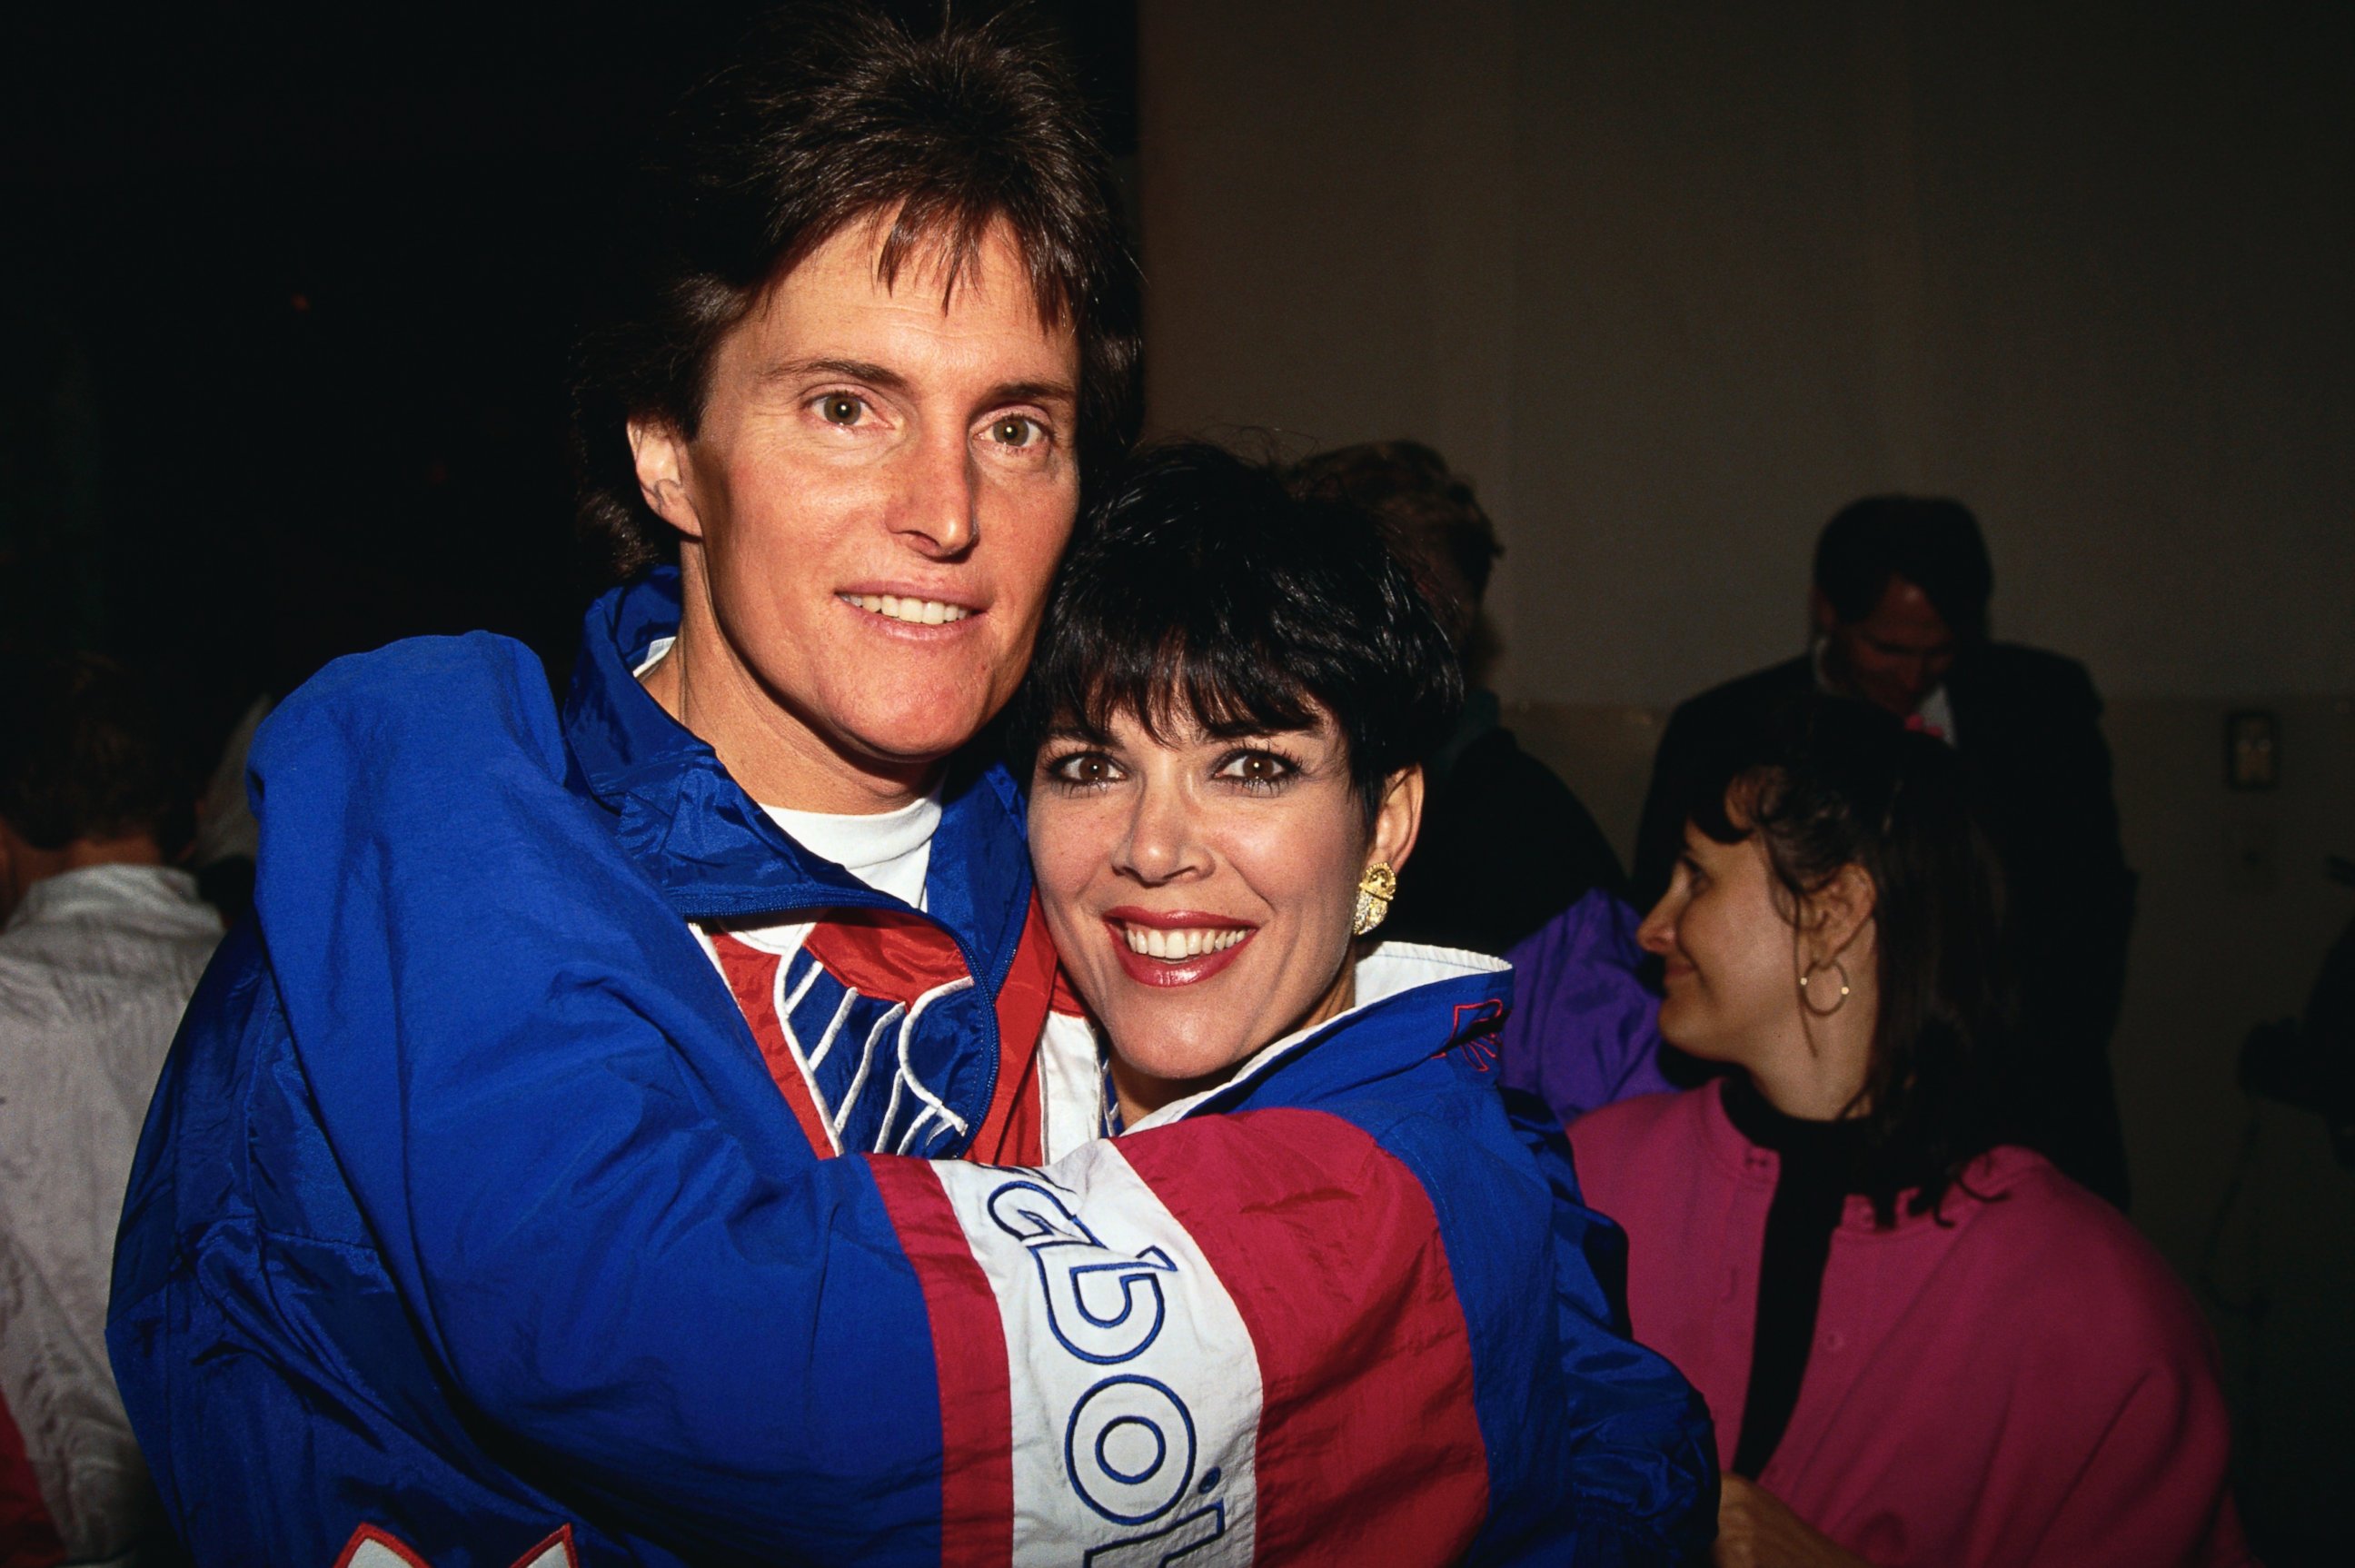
916	612
1154	943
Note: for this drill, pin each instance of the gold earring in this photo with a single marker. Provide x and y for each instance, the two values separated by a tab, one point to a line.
1837	1002
1375	891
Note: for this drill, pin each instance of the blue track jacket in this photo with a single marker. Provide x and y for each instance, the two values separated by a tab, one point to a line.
470	1224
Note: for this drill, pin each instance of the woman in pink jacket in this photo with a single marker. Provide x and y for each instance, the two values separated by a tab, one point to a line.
1920	1342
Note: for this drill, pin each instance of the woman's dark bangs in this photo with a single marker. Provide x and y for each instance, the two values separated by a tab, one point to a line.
1184	682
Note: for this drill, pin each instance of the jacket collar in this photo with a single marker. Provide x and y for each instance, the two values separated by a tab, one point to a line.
715	854
113	894
1413	1003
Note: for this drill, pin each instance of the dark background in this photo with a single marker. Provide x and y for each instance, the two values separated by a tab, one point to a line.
288	300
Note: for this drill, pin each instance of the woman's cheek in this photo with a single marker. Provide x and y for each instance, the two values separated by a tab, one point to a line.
1063	856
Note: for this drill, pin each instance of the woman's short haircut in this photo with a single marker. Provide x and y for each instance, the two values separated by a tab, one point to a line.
831	114
1825	783
1204	593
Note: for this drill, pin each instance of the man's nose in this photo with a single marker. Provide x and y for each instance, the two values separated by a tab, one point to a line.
938	509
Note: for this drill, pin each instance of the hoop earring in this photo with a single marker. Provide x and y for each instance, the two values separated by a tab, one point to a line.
1837	1002
1375	891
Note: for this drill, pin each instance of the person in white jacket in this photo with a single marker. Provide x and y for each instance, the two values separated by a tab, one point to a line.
102	946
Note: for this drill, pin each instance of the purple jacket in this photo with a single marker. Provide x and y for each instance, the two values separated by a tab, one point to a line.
1586	1031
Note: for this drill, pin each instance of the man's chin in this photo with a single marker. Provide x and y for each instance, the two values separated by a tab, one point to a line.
911	744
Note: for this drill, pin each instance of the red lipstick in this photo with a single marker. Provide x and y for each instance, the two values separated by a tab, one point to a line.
1147	970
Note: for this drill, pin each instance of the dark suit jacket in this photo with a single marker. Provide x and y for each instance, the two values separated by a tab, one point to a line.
2027	724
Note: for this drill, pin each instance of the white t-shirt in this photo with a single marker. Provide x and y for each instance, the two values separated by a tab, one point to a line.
888	851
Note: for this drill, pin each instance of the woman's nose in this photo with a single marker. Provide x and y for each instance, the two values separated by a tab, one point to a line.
1657	934
1162	843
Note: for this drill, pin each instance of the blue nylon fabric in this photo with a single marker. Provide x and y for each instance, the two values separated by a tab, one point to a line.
715	854
1598	1450
466	1206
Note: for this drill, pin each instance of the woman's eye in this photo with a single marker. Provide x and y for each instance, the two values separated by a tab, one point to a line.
1257	769
1084	768
840	408
1017	431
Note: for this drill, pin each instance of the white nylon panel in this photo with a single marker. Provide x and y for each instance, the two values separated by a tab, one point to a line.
1070	1084
1136	1387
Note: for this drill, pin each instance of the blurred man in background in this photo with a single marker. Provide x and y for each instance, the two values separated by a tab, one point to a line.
1505	844
102	946
1899	619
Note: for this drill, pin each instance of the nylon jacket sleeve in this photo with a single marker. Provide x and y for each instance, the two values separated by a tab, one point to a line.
1651	1445
586	1192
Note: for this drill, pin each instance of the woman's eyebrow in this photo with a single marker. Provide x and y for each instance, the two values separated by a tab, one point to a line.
1247	729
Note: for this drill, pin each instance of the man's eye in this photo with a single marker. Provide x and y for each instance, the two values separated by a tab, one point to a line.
840	408
1017	431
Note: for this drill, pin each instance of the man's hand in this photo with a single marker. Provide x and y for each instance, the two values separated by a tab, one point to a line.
1755	1530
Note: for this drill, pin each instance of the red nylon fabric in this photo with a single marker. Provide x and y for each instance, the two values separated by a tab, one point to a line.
28	1537
969	1349
753	978
1331	1251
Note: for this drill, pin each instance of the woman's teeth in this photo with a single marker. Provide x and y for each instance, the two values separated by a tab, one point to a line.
1153	942
916	612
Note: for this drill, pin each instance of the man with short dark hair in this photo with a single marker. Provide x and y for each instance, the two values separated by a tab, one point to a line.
1899	614
100	944
526	1186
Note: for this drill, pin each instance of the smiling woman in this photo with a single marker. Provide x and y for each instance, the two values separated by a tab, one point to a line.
1227	722
1223	731
1923	1344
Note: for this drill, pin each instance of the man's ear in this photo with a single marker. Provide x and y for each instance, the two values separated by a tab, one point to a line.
1838	911
660	453
1397	818
1820	613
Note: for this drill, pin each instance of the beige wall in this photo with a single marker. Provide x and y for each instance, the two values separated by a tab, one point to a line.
1673	281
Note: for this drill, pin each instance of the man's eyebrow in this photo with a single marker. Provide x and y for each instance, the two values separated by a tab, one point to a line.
1032	392
874	375
849	370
